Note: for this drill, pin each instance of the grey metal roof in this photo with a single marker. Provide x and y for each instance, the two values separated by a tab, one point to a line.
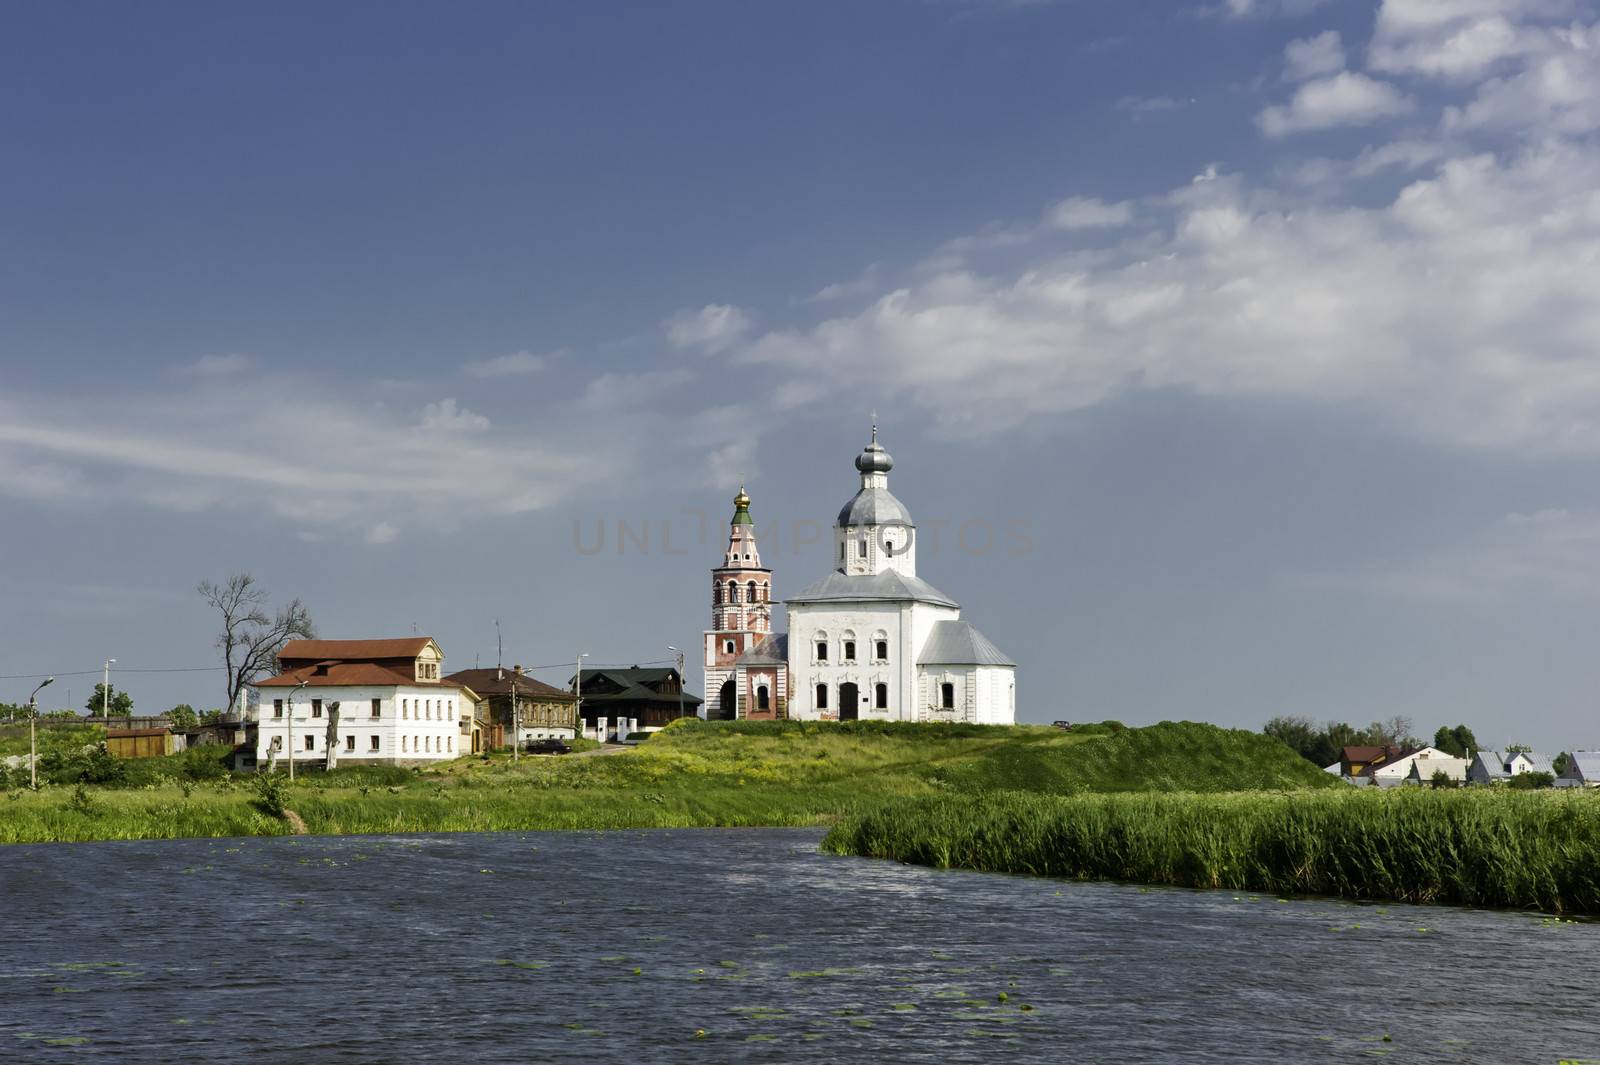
874	506
772	651
889	585
1538	762
956	643
1585	766
1490	764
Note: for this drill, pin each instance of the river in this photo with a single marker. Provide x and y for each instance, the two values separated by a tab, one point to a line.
738	946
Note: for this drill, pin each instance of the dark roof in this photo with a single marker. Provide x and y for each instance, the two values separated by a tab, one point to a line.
771	651
1368	753
306	650
634	686
956	643
867	587
497	681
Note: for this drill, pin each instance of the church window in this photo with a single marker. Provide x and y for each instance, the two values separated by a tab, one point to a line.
880	696
762	699
888	548
841	551
863	546
849	650
882	650
822	696
733	592
728	647
822	650
947	696
752	591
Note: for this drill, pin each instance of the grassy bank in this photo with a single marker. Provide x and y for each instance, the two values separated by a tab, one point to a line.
696	774
1533	850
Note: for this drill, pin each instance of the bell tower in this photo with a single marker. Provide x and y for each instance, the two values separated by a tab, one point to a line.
741	609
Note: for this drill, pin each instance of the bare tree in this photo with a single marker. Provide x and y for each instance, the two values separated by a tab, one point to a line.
251	637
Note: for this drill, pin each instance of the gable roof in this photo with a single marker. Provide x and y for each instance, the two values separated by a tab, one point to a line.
1491	764
633	686
867	587
321	650
956	643
348	675
497	681
1583	765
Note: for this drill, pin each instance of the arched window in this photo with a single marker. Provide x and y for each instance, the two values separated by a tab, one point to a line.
880	696
888	548
752	590
880	648
716	595
405	709
847	653
729	647
822	647
405	747
762	702
841	551
822	696
733	591
947	696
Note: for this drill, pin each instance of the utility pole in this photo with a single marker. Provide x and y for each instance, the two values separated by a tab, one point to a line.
516	716
105	693
297	687
577	707
680	677
33	735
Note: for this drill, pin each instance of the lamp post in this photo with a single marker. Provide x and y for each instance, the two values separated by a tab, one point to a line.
297	687
516	718
33	735
105	692
679	653
577	689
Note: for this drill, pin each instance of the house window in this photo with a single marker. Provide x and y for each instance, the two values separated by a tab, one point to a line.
947	696
316	708
350	743
849	650
428	708
277	708
450	744
373	746
882	649
822	696
277	743
761	698
405	744
822	650
377	708
880	697
311	743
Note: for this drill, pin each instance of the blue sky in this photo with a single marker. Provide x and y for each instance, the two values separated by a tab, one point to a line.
1270	323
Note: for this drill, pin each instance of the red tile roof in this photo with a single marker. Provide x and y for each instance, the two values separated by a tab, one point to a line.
349	674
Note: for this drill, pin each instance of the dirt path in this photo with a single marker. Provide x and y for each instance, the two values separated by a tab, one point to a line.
296	822
610	748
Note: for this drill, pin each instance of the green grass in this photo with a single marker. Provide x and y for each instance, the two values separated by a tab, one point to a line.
694	774
1472	847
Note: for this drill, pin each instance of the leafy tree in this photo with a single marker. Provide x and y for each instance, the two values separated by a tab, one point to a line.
1562	761
119	705
251	637
1458	742
211	717
1441	779
1300	734
1530	781
1395	732
14	711
66	715
1518	748
183	716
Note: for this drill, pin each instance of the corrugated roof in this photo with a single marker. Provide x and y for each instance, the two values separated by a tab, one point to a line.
865	587
956	643
771	651
1584	765
318	650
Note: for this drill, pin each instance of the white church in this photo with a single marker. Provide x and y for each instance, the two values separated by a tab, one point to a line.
870	641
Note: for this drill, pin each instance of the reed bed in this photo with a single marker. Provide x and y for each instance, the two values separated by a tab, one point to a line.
1521	850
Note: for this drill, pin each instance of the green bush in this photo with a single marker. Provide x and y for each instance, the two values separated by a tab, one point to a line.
272	793
1532	781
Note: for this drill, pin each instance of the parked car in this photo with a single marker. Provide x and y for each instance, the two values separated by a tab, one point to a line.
548	745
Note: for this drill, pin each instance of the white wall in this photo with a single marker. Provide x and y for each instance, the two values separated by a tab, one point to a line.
398	727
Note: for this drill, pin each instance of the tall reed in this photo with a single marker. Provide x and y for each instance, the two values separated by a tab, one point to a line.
1529	850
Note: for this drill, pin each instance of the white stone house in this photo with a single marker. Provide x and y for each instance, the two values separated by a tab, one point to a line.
1396	771
393	706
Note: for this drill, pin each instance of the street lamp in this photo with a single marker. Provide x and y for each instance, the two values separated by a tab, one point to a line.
679	653
33	735
297	687
105	692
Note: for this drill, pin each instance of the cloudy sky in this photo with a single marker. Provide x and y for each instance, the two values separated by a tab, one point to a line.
1245	358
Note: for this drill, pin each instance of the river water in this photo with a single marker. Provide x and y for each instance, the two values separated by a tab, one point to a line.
626	947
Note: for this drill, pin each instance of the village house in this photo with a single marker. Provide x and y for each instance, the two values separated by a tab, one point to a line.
1497	767
1424	770
1583	770
869	641
1422	761
618	701
377	701
542	711
1357	761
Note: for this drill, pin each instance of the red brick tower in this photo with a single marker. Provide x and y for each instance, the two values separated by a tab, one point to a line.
741	610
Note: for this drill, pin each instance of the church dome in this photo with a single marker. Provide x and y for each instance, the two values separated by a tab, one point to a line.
874	506
873	459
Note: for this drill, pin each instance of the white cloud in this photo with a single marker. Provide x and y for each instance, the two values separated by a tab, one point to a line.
864	283
1345	99
513	365
217	365
446	417
1081	212
1313	57
712	328
621	393
1268	8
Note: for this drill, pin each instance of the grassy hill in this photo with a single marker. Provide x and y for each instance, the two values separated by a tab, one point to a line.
693	774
